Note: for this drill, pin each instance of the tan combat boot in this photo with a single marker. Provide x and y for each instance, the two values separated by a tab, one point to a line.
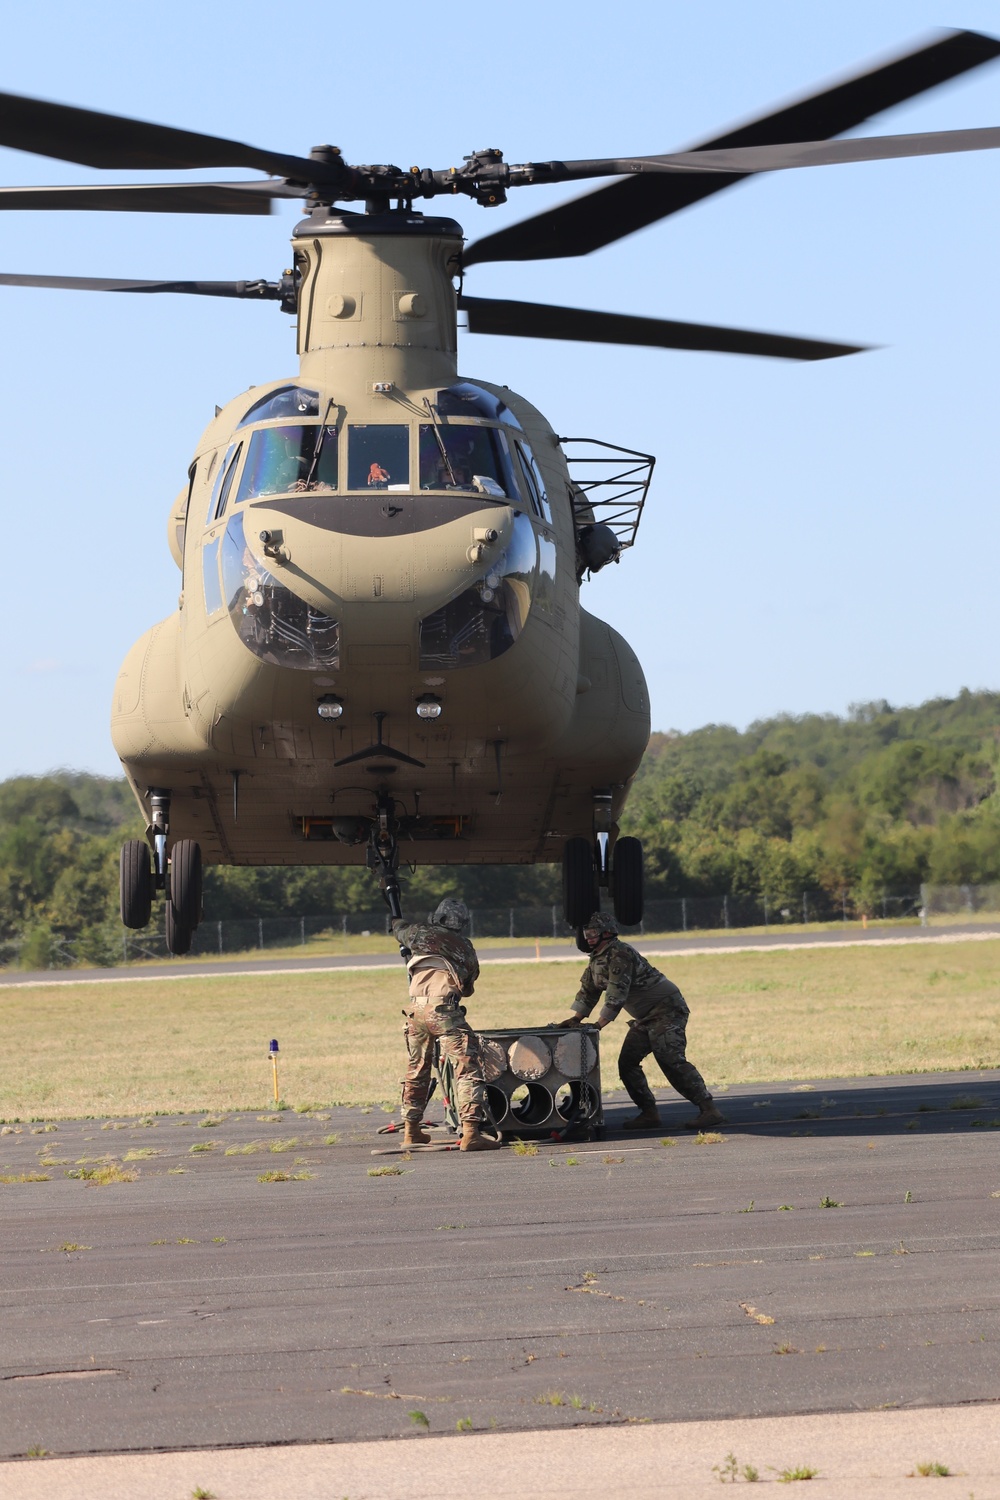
647	1119
413	1135
474	1140
707	1118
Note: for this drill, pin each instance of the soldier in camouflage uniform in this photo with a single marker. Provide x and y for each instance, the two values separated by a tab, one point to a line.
443	968
659	1023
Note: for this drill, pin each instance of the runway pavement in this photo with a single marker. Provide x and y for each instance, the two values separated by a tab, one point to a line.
385	957
606	1285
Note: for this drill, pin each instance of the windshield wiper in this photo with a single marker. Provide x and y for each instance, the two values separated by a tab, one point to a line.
440	442
310	478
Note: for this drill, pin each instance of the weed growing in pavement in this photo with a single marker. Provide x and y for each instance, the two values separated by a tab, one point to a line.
140	1153
907	1196
292	1144
667	1140
928	1471
11	1178
201	1494
748	1209
70	1248
524	1148
709	1138
210	1121
786	1208
201	1147
419	1419
37	1451
830	1203
105	1176
332	1139
286	1176
787	1476
550	1398
966	1101
269	1119
464	1424
730	1470
385	1171
786	1349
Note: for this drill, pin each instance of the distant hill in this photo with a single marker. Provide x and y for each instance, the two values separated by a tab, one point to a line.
878	801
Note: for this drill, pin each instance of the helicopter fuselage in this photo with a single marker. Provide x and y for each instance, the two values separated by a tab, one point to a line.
380	594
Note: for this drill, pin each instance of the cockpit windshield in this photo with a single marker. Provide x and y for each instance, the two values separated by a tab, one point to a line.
470	458
284	460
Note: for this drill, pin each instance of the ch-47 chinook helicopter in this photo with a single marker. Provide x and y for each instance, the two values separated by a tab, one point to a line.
380	647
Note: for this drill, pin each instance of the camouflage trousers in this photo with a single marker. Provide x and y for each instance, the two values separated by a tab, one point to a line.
431	1019
664	1033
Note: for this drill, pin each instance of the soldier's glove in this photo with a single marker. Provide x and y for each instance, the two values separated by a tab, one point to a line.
565	1025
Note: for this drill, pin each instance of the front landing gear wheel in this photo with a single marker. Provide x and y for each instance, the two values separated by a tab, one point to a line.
135	883
627	882
581	896
185	886
177	935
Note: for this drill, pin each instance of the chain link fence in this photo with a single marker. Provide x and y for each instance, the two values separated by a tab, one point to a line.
492	925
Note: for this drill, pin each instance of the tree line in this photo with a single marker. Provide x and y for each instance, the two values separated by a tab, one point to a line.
882	799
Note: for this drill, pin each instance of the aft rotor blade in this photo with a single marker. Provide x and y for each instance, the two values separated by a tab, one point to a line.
599	218
154	198
536	320
266	291
99	140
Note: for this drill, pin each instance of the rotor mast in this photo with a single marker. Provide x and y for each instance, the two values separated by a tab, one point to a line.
377	305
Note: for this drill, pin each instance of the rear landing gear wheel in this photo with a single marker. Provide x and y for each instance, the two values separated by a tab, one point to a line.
581	896
627	881
178	936
135	883
185	885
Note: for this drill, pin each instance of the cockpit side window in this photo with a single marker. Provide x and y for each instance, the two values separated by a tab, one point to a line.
284	460
534	482
475	459
223	480
227	482
290	401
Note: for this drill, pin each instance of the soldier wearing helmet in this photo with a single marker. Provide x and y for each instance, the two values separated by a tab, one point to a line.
443	969
659	1023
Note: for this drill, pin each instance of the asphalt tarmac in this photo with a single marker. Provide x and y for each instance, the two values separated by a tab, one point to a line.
624	1282
385	956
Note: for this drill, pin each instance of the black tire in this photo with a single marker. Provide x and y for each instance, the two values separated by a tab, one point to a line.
580	893
177	935
135	883
185	884
627	882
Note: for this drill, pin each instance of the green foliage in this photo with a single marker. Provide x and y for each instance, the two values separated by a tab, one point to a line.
879	801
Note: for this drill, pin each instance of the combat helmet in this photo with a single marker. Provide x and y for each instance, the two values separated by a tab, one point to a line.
451	913
601	922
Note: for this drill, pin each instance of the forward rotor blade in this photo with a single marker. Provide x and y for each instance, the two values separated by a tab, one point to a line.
98	140
597	219
536	320
154	198
825	153
266	291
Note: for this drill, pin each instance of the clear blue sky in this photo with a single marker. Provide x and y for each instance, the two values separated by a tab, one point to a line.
816	535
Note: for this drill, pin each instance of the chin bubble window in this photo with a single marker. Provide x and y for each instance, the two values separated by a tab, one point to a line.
473	459
270	620
290	460
484	621
378	457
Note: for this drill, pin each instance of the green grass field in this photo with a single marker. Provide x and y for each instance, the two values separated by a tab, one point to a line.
125	1048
